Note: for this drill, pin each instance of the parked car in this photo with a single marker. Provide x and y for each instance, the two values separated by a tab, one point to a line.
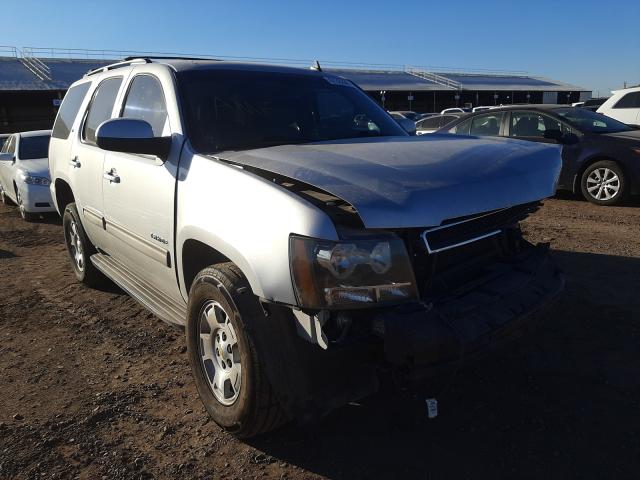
593	103
413	116
455	110
3	138
435	122
481	109
600	155
24	173
293	227
624	106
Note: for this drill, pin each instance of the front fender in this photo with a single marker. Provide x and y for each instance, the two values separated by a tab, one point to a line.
246	218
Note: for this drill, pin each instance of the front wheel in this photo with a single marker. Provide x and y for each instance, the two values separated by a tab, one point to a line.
603	183
26	216
80	248
4	197
225	362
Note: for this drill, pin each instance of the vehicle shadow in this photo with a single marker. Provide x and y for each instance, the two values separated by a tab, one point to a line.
630	201
560	402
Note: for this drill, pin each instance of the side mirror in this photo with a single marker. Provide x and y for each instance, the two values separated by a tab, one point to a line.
553	135
6	157
569	139
409	126
130	135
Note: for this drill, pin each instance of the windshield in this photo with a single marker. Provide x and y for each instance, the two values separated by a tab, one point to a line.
34	147
592	122
238	110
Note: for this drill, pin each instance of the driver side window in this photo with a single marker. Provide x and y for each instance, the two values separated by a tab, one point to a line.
145	101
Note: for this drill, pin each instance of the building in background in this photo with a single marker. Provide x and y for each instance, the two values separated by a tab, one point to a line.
33	82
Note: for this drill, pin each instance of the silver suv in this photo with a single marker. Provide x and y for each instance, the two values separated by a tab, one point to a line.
305	241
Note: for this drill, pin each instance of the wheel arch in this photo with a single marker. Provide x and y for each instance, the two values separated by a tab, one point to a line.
64	195
577	179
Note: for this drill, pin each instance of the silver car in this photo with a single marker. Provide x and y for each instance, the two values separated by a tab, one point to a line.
303	239
24	173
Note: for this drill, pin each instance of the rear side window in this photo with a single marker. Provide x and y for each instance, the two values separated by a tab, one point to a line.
486	125
69	110
430	123
447	119
462	128
100	108
630	100
145	101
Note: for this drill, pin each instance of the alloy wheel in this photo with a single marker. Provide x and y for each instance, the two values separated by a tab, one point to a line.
219	353
603	184
75	245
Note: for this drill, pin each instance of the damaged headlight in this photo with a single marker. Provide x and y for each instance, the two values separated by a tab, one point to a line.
350	274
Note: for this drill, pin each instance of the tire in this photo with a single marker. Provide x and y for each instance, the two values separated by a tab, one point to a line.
26	216
5	198
604	183
80	248
239	396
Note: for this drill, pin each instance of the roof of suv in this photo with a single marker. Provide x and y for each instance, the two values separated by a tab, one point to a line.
183	64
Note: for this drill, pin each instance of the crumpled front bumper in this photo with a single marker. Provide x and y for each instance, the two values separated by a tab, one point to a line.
425	339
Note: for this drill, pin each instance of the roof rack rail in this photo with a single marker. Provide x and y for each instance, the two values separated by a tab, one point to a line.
168	57
125	63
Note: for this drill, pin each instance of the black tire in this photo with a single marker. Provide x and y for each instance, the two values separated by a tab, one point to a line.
5	198
255	410
86	272
590	181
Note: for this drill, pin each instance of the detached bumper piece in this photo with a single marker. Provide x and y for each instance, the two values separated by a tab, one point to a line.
425	339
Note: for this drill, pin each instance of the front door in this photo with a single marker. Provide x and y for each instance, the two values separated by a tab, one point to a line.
139	193
532	125
86	162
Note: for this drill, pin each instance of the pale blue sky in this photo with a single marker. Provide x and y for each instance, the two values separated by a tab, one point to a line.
594	44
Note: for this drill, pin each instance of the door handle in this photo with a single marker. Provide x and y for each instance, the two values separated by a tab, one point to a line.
112	176
75	163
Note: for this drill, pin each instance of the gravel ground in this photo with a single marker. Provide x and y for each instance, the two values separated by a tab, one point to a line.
94	386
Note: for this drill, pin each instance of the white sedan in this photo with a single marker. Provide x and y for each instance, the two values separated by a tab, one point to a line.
24	173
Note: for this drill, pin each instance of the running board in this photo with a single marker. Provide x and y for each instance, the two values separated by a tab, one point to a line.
150	297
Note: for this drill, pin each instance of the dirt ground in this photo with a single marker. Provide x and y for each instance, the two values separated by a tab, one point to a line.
93	386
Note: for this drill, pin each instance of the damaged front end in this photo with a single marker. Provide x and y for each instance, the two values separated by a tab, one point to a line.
475	282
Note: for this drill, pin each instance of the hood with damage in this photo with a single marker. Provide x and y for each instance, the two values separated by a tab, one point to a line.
400	182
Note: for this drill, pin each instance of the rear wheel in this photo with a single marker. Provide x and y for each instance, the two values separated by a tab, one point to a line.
603	183
225	362
80	248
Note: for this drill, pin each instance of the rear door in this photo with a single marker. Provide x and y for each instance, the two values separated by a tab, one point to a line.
531	125
139	189
86	162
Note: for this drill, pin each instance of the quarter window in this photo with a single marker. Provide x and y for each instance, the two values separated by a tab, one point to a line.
100	108
69	110
630	100
488	124
145	101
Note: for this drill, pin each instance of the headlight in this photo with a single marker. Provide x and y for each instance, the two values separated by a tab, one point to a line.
350	274
26	177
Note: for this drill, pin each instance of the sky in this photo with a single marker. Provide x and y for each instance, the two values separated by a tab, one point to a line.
593	44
